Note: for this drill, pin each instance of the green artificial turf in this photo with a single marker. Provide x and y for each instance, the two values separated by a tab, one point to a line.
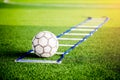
98	58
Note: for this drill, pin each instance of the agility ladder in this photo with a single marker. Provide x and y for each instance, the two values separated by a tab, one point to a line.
90	25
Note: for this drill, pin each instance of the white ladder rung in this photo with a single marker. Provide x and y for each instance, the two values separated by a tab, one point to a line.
59	52
82	29
66	45
32	52
97	21
69	39
77	34
36	61
86	26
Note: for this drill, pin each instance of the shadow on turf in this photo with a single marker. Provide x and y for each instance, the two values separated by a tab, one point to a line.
14	55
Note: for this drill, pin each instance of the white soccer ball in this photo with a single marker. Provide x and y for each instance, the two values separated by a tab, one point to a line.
45	44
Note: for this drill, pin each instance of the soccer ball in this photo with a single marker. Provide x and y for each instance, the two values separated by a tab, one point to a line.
45	44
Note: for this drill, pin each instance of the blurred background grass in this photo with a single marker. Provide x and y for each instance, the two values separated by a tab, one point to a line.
70	1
